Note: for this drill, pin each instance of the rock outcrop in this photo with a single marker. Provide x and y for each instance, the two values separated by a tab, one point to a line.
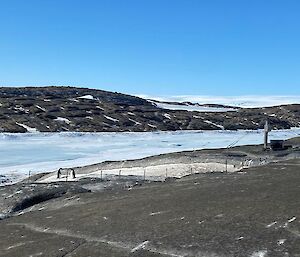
55	109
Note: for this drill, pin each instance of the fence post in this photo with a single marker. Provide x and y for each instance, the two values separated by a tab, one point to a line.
166	172
119	174
144	174
101	175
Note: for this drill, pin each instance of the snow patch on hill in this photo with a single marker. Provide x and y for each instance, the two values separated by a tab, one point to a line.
61	119
29	129
89	97
111	118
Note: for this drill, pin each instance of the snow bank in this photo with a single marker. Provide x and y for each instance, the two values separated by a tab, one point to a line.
154	172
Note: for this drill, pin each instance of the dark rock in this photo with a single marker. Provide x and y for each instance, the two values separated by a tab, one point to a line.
39	107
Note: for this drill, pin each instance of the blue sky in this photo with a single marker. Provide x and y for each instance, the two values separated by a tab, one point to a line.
154	47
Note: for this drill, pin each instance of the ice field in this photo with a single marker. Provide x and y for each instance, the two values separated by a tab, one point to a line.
40	152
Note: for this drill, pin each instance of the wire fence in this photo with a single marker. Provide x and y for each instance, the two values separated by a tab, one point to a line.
159	172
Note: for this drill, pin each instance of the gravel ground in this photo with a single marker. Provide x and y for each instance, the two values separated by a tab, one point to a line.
251	213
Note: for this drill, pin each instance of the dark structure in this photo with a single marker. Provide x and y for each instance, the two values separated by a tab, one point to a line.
277	145
59	173
73	173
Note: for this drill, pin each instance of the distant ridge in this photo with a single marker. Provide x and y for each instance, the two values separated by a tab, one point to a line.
56	108
240	101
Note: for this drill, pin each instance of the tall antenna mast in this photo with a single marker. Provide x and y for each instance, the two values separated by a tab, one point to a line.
266	130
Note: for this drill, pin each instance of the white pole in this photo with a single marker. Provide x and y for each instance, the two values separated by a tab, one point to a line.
266	132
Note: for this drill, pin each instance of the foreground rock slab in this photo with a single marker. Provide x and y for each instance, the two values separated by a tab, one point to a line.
255	212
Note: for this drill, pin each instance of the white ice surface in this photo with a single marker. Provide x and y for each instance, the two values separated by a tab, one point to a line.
39	152
245	101
191	108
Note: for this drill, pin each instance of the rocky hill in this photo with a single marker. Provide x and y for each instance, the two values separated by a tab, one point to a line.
53	109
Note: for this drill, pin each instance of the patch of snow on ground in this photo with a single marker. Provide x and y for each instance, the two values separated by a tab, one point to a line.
29	129
41	108
140	246
154	172
259	253
271	224
281	241
111	118
197	117
20	108
99	107
168	116
292	219
89	97
217	125
134	121
61	119
155	213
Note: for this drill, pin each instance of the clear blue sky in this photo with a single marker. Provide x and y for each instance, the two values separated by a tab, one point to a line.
156	47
